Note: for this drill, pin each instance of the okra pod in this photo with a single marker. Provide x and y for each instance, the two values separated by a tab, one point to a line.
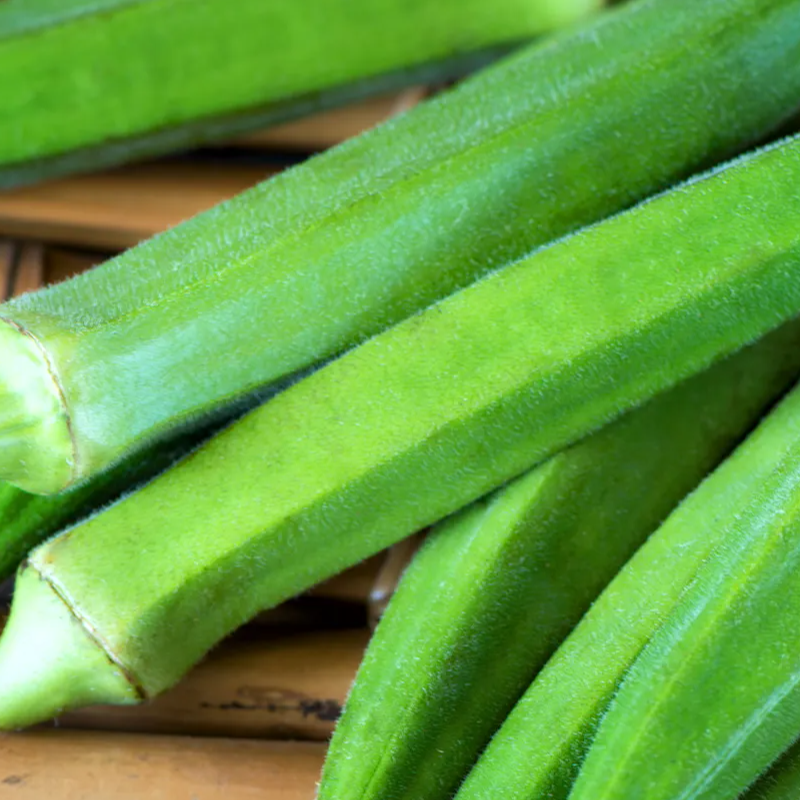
403	430
325	255
714	697
539	749
781	781
496	588
90	83
27	519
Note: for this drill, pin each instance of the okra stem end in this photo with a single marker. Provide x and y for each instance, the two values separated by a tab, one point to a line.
36	446
49	662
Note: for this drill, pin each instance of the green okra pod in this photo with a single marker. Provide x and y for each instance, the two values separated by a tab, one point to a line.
402	431
27	519
323	256
714	697
539	749
781	781
497	587
89	83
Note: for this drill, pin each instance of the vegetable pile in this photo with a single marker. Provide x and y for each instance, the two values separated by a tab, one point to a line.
553	313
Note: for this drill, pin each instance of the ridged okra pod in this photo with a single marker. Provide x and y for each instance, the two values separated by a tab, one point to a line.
781	781
539	749
88	83
402	431
323	256
498	586
714	697
27	519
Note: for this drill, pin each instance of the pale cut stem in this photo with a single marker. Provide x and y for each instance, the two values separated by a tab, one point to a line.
66	667
36	447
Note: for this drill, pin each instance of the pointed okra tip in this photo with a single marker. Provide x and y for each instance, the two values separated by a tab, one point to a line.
49	663
36	448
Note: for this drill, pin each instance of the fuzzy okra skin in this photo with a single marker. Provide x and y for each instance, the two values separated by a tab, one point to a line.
537	752
87	84
781	781
496	588
413	425
27	519
714	697
317	259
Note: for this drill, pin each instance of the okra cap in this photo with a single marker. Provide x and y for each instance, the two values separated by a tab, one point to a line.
49	661
36	447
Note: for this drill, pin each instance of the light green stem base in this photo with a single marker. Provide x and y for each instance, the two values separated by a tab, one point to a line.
36	448
65	668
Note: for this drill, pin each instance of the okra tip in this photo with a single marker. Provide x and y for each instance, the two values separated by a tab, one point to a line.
49	662
36	448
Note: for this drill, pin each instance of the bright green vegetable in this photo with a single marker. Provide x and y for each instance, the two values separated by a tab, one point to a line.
26	519
92	83
714	697
497	587
327	254
781	781
539	749
407	428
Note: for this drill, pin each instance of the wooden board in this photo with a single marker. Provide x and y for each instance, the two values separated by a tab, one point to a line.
329	128
289	687
72	765
118	208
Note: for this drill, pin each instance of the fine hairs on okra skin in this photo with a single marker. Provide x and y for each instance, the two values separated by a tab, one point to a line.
498	586
27	519
327	254
537	752
91	84
401	431
682	726
781	781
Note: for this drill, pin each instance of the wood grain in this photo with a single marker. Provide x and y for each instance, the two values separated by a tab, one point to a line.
329	128
397	558
29	269
61	263
70	765
353	585
7	257
290	687
118	208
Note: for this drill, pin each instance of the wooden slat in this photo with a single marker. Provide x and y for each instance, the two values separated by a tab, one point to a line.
29	272
70	765
395	562
329	128
353	585
61	263
7	257
118	208
291	687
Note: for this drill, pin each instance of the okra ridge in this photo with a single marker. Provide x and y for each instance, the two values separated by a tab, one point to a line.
37	446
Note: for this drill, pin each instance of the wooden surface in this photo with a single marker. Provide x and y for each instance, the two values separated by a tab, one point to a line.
72	765
279	688
118	208
324	130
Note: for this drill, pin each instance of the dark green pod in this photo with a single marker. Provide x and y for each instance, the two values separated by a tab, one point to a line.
398	433
88	83
781	781
714	697
327	254
498	586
